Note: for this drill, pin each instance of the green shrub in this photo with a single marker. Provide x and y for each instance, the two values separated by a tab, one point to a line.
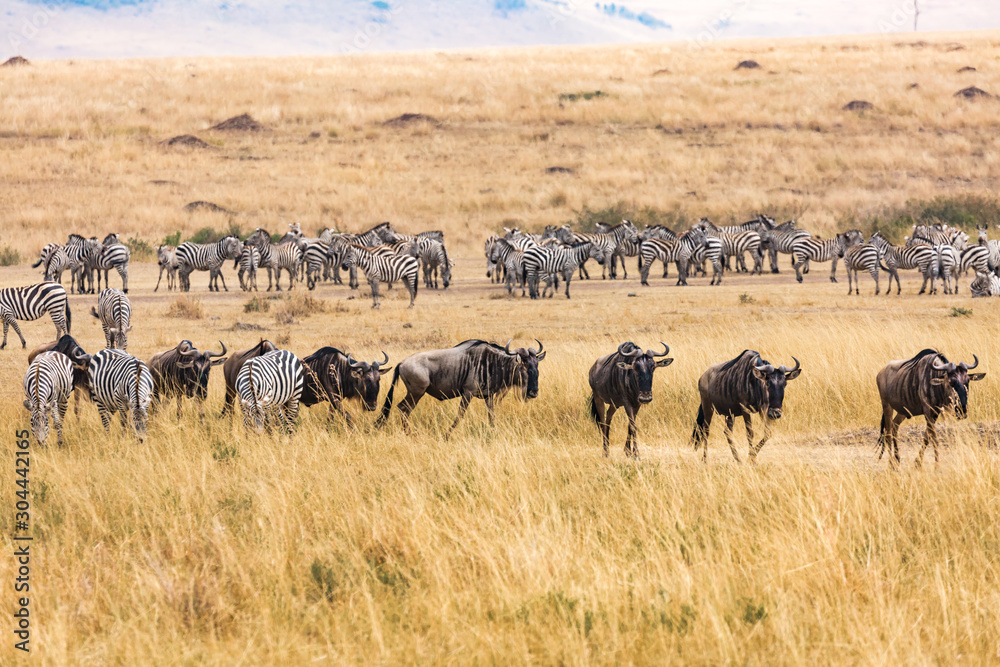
212	235
141	250
173	240
639	215
964	212
9	256
584	95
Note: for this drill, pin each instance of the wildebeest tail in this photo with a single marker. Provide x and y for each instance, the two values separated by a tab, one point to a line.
881	437
387	406
699	427
593	410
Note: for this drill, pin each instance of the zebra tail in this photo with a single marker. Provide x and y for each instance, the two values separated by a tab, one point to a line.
387	406
882	266
69	317
37	264
93	311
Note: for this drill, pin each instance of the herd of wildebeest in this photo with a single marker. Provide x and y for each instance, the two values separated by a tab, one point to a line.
271	384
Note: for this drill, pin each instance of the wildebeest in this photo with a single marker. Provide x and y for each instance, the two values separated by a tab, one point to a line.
471	369
741	387
333	376
623	379
81	363
232	368
183	371
927	385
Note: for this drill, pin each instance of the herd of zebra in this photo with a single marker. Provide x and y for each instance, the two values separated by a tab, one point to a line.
938	252
382	253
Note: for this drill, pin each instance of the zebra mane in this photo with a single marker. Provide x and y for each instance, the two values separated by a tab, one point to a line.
38	370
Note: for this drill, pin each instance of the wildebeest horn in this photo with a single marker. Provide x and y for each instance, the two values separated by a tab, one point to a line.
938	366
350	360
539	350
666	350
621	348
967	366
786	370
506	347
766	368
384	361
220	354
186	350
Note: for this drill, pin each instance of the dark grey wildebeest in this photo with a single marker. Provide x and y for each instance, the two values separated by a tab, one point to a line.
231	369
333	376
183	371
928	384
471	369
741	387
623	379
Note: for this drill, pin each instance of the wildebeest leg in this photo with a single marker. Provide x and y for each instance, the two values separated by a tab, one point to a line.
601	419
606	428
462	407
767	436
76	404
701	426
894	454
406	406
930	437
729	437
489	409
631	440
179	395
752	456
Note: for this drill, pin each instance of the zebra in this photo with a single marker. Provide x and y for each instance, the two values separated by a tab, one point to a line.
382	268
434	257
166	258
542	260
940	235
975	257
76	249
627	248
656	232
247	263
338	251
47	386
903	257
104	256
985	284
276	257
316	259
812	249
862	257
268	384
206	257
373	236
31	302
780	239
115	313
507	255
121	383
56	263
737	241
710	250
604	244
493	271
993	246
678	251
944	266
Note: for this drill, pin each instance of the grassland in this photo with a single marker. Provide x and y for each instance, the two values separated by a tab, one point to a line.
518	543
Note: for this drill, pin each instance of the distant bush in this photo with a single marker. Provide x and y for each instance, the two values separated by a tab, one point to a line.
257	305
585	95
298	305
174	239
639	215
212	235
9	256
957	311
964	212
141	250
187	308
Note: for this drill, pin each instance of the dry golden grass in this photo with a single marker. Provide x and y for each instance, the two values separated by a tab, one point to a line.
518	543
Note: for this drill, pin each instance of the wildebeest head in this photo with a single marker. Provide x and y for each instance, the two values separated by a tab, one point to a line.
955	381
641	366
198	364
527	364
366	377
775	380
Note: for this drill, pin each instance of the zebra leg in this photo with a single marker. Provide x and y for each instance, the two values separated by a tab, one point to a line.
219	276
773	256
17	330
411	286
159	278
875	271
58	416
105	416
373	282
123	272
833	269
291	413
462	407
644	273
568	276
729	437
717	271
797	265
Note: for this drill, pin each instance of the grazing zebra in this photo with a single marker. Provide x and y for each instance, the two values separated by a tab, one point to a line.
544	260
31	302
985	284
736	241
780	239
276	257
975	257
862	257
166	258
993	246
115	313
896	257
47	386
56	263
434	257
76	249
380	268
107	255
604	244
811	249
678	251
121	383
268	384
206	257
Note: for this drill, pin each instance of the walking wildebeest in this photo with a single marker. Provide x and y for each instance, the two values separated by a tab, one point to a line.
925	385
81	363
232	367
741	387
471	369
623	379
183	371
334	376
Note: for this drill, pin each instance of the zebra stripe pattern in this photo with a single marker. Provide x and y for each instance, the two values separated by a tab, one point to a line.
861	257
736	241
270	384
710	250
605	244
992	246
678	251
384	268
47	387
903	257
544	260
805	250
277	258
434	258
206	257
975	257
780	240
316	260
115	313
29	303
121	383
985	284
106	256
